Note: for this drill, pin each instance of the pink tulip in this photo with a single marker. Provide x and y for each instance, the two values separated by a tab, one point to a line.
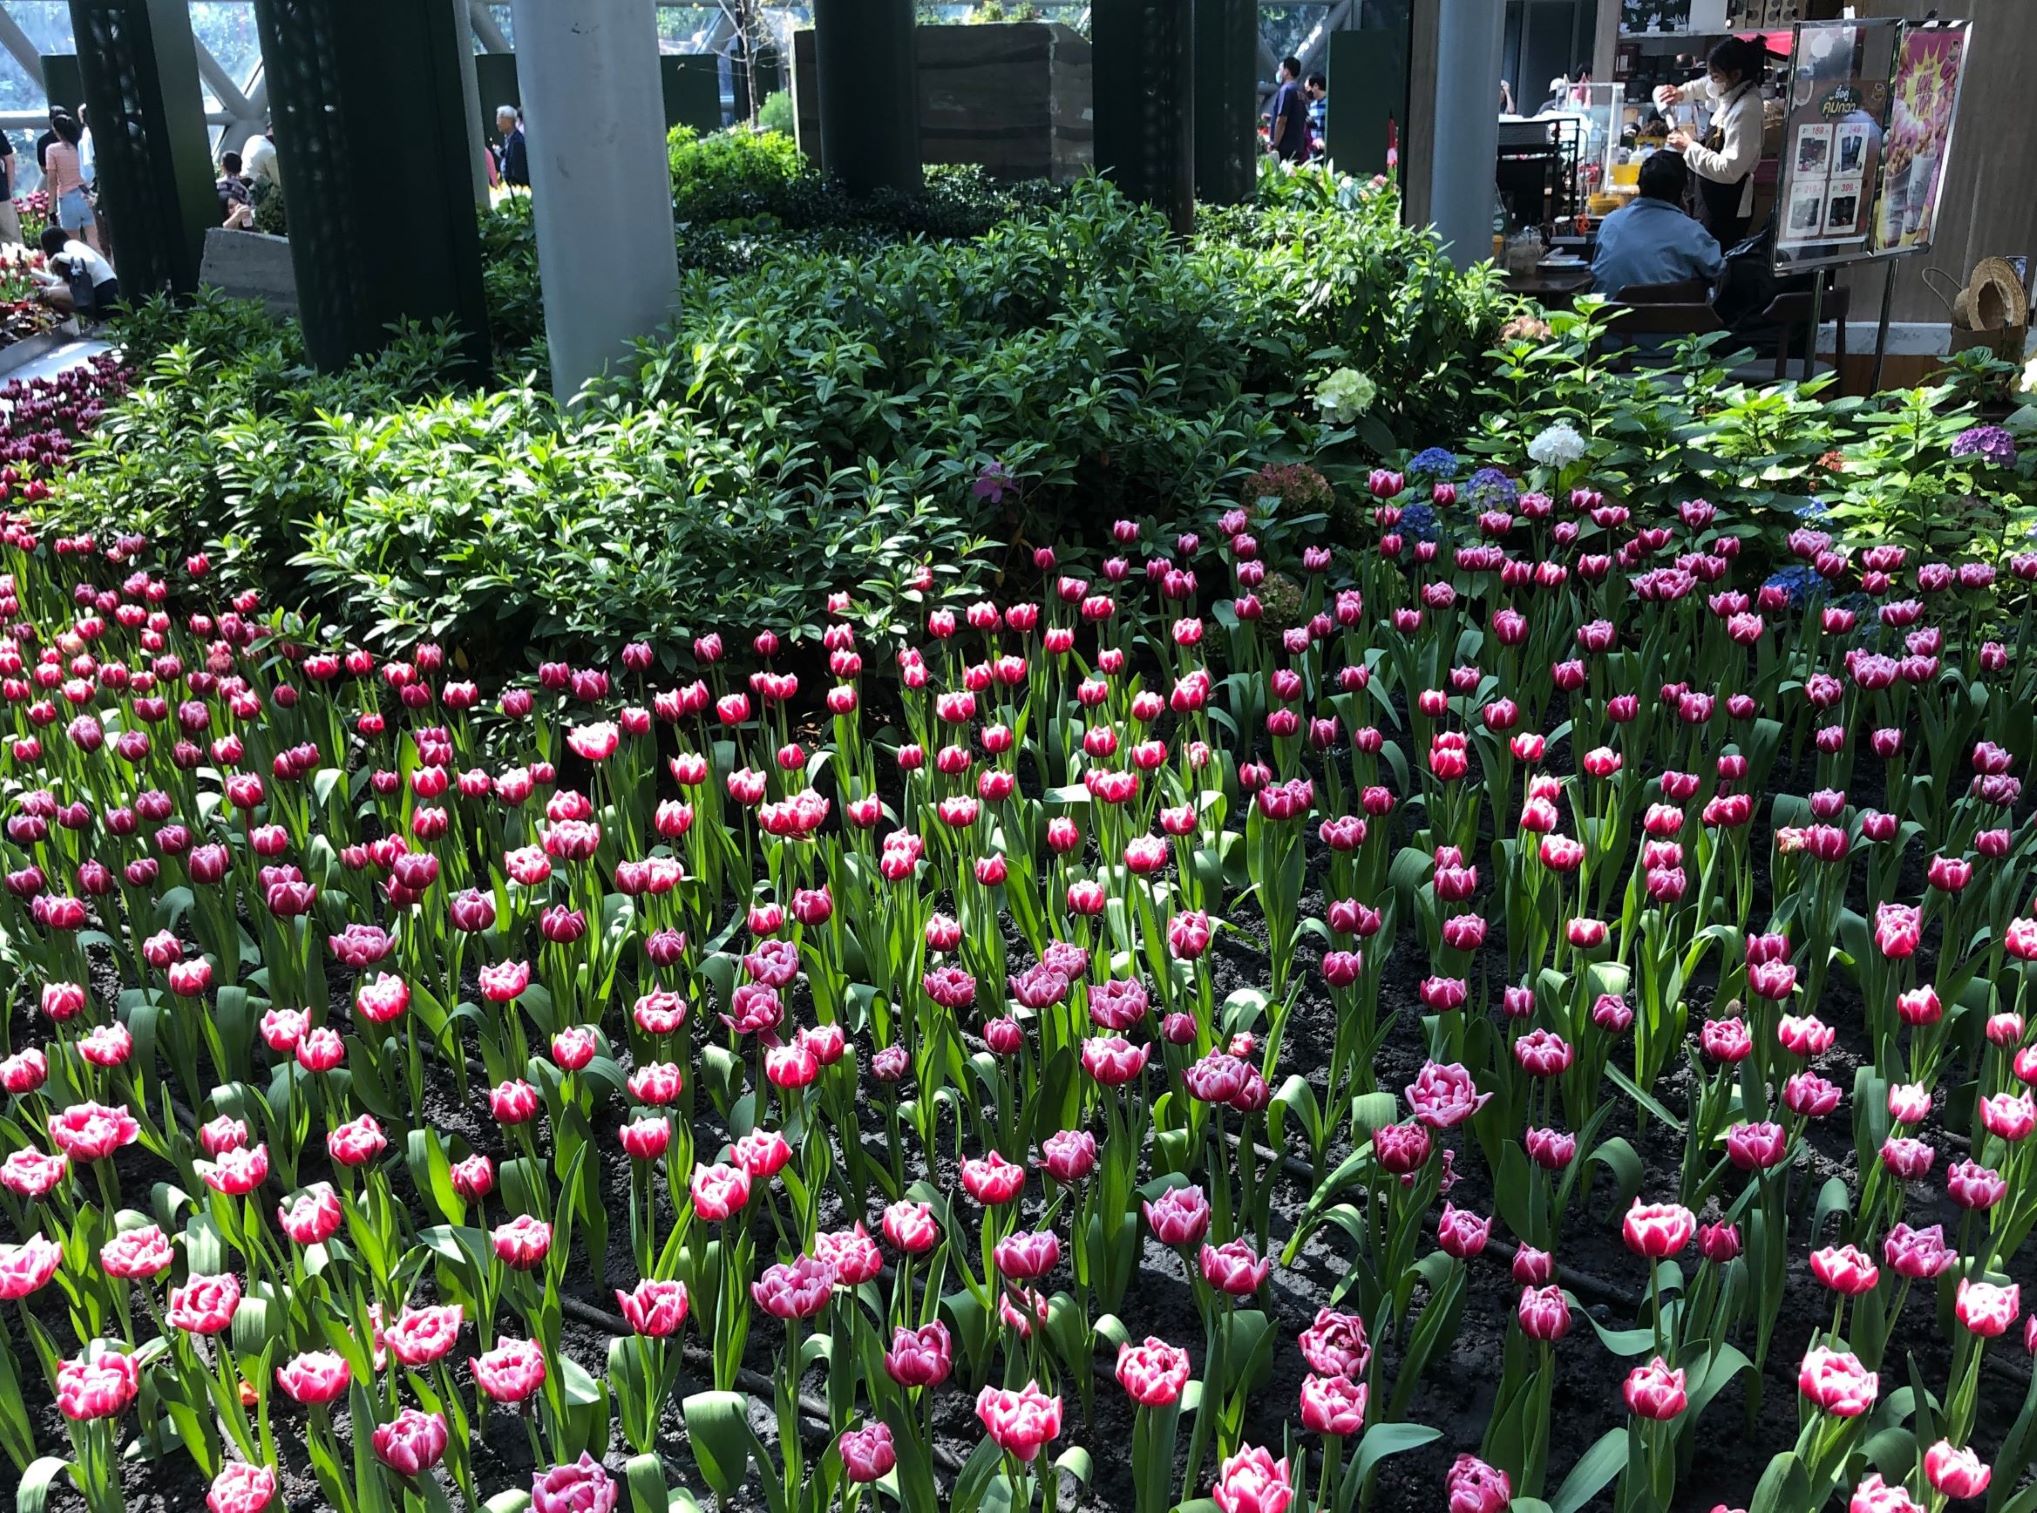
523	1242
91	1131
1544	1313
654	1309
512	1371
1252	1481
1657	1230
1955	1473
1019	1422
1836	1382
1845	1270
411	1443
1461	1233
920	1357
241	1488
26	1268
1873	1495
1654	1391
719	1191
1472	1486
867	1453
582	1487
420	1336
314	1378
1986	1309
1152	1374
796	1289
1333	1405
1235	1268
136	1254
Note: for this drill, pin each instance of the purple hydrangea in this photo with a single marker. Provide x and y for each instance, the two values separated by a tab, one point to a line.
994	482
1989	443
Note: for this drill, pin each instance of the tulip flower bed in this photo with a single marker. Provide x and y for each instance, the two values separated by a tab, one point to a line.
1532	1019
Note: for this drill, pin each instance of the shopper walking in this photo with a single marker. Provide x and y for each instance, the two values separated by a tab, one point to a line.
1724	162
1288	133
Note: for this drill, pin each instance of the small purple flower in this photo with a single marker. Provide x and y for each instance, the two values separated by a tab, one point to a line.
1989	443
994	482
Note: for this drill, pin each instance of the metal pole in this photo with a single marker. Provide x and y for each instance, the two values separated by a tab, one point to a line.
485	28
15	40
1817	320
1888	294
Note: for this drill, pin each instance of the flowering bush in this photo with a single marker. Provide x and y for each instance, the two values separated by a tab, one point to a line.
1208	1007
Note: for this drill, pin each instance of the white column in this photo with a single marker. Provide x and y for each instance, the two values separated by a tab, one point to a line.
1462	168
470	91
601	189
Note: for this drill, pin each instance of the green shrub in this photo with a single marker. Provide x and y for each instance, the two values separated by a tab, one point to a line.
734	162
486	518
817	416
775	113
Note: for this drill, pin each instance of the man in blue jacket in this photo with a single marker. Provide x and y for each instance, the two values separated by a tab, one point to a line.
1652	241
514	160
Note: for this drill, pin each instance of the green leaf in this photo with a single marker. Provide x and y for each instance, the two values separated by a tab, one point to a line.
1382	1440
1784	1488
718	1424
1593	1473
32	1496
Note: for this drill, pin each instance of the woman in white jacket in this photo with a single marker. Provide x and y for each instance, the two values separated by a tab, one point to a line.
1723	164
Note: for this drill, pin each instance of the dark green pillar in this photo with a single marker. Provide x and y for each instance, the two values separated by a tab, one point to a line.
63	82
867	56
152	155
1145	102
1226	94
373	142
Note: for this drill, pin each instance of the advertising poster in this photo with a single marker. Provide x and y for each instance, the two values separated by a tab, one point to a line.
1928	72
1832	140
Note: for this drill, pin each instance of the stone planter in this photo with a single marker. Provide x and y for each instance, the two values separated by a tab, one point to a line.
1015	98
251	265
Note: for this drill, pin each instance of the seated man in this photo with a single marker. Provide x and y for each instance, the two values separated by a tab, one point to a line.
68	264
1652	241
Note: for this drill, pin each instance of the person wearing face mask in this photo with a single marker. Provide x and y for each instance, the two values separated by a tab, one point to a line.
1723	163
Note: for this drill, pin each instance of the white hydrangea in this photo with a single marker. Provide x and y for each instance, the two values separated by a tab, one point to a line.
1557	447
1345	395
2029	382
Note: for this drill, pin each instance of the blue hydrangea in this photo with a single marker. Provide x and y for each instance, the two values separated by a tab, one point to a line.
1811	509
1799	583
1435	462
1418	522
1490	489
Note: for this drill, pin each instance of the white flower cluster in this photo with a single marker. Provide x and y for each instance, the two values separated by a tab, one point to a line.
1345	395
1557	447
